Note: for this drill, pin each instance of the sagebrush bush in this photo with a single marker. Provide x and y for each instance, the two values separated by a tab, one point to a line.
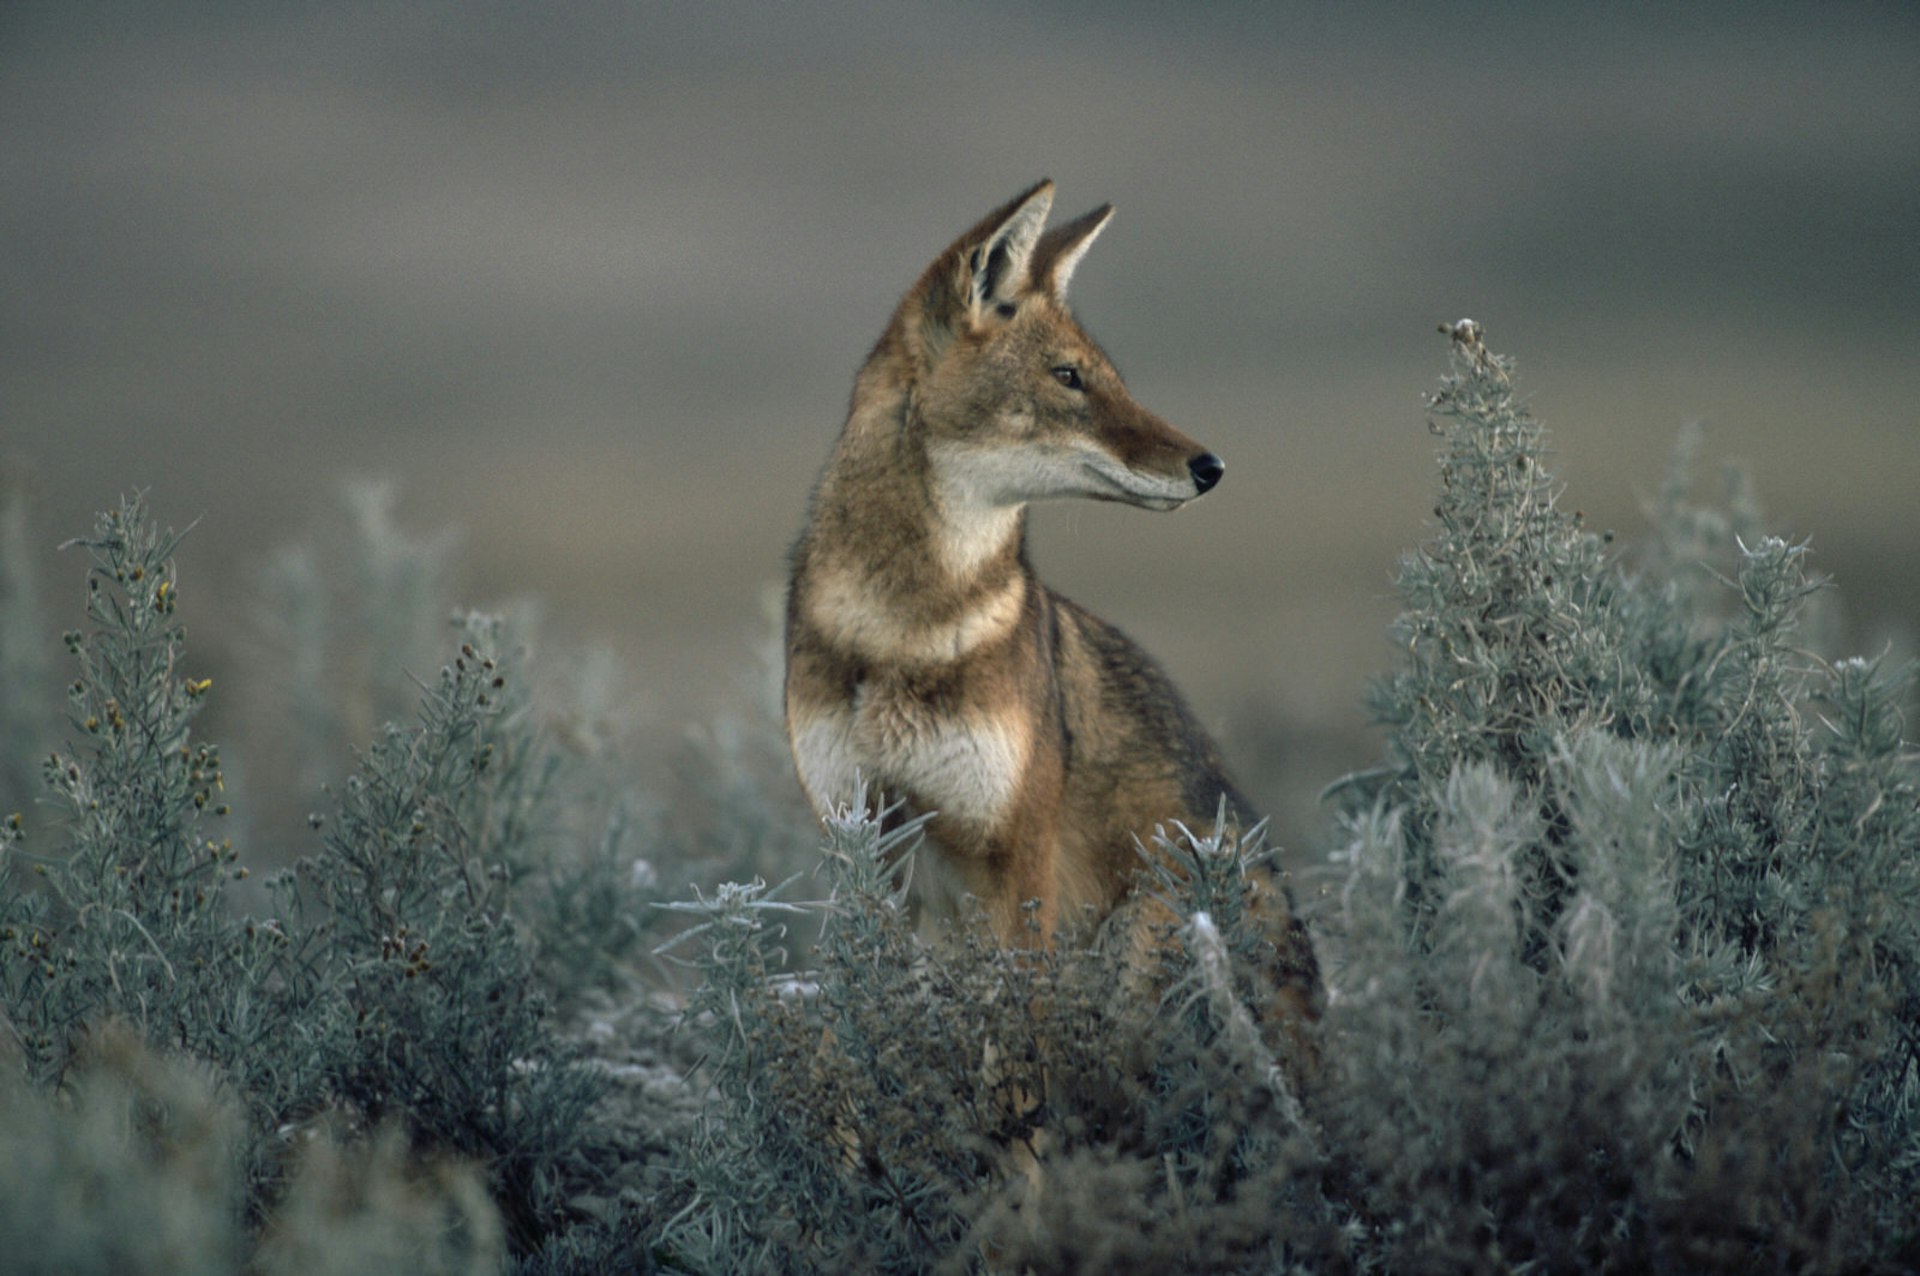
113	901
354	619
444	1025
905	1107
132	1169
1637	888
394	986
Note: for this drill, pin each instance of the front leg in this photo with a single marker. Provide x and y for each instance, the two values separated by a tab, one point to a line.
1024	904
1010	868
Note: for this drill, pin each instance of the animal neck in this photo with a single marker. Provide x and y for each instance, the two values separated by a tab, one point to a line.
969	537
901	565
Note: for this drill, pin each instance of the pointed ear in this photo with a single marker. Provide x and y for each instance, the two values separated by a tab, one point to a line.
984	268
995	262
1059	251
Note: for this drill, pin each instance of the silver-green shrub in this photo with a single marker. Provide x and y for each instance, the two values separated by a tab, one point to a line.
394	985
906	1106
1632	911
132	1169
112	900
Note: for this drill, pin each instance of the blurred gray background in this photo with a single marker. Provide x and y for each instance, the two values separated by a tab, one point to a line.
591	281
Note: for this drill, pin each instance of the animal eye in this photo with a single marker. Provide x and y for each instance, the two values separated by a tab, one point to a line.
1069	376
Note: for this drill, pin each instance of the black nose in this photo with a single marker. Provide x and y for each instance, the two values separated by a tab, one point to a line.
1206	469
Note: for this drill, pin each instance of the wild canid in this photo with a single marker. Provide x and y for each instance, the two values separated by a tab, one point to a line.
924	654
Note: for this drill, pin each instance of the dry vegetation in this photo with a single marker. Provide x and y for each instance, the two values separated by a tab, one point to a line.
1624	953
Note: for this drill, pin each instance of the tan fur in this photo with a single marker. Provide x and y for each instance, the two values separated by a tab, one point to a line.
925	655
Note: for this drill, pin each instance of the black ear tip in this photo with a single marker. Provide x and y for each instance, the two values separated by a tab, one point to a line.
1206	470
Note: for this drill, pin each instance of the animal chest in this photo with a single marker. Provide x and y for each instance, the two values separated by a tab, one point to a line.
964	762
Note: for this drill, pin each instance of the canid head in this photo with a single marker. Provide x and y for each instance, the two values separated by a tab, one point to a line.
1012	400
